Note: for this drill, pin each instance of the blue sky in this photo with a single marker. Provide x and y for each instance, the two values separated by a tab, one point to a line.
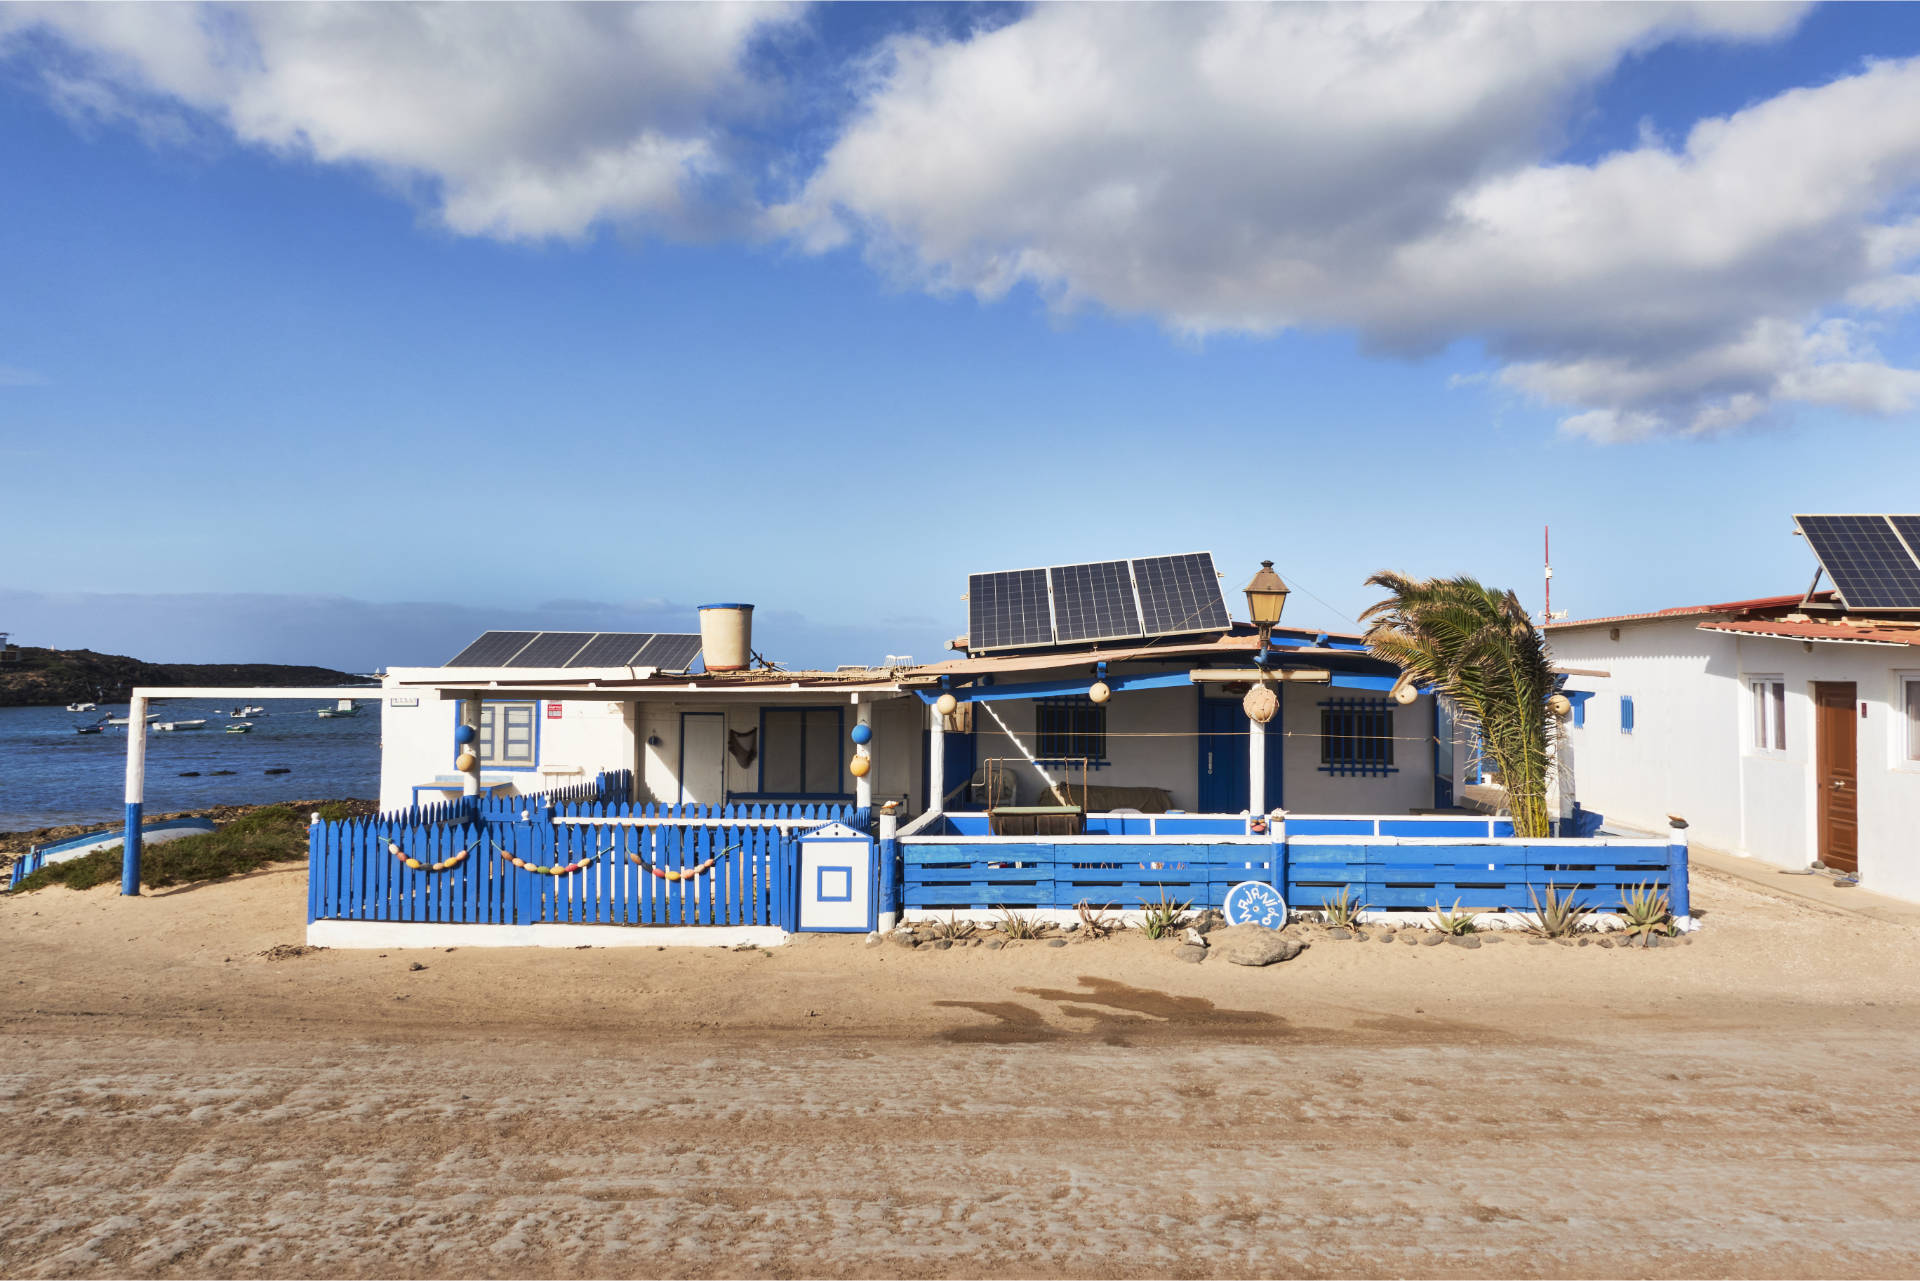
864	299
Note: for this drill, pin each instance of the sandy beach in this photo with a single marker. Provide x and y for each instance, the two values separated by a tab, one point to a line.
186	1091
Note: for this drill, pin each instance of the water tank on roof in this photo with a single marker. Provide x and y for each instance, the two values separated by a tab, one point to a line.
726	637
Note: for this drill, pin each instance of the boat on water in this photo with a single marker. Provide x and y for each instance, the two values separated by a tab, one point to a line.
157	833
240	713
174	725
92	727
345	707
83	707
122	720
239	727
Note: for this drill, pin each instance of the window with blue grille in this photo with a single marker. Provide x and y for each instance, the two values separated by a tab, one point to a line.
509	735
1626	713
1356	736
1070	729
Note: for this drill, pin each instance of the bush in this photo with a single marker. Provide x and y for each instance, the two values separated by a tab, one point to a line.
272	834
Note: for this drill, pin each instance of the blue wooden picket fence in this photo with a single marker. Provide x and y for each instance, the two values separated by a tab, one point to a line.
655	865
606	787
1385	863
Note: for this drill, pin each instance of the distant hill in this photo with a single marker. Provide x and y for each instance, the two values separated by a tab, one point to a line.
31	677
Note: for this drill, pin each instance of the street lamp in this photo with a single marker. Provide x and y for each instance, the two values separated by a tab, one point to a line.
1266	597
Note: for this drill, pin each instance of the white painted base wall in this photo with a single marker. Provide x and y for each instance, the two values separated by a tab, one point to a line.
400	935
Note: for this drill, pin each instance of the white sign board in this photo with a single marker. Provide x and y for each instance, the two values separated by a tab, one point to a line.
836	881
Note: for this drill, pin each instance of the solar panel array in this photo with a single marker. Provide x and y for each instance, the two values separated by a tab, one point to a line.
1095	601
1871	559
669	651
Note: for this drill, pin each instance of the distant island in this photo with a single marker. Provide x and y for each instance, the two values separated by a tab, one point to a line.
32	677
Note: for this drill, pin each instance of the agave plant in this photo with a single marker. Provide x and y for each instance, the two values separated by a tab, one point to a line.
952	928
1343	910
1163	917
1095	923
1476	645
1015	925
1557	916
1647	912
1456	921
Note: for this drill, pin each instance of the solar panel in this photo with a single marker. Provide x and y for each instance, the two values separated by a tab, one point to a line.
1094	602
610	649
669	651
1871	567
1009	610
1180	594
493	649
550	649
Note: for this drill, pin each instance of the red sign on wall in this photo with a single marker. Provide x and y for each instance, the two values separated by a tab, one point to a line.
553	711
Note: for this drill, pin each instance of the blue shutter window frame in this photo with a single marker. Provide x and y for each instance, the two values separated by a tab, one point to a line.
1626	713
509	737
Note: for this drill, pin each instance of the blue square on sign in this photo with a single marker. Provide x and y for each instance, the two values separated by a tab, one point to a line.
833	884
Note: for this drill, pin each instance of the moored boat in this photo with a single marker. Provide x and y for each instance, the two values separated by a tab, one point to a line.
239	727
83	707
174	725
157	833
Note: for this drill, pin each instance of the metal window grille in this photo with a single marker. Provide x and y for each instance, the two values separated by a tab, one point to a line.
1356	737
1070	728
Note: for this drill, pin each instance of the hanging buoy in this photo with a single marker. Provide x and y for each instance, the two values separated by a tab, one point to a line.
463	735
1260	704
1405	694
465	762
862	734
859	766
1560	705
1100	692
946	704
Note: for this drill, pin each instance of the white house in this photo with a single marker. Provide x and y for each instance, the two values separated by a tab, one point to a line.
1164	730
1785	728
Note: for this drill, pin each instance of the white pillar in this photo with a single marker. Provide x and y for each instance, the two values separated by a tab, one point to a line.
136	794
1256	766
863	786
469	714
937	763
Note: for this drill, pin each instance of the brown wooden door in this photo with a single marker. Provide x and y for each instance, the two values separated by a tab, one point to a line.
1836	775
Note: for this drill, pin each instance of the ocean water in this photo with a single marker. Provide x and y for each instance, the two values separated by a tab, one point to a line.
50	775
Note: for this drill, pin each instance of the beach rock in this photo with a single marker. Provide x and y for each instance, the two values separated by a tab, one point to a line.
1386	937
1408	937
994	945
415	965
1464	940
1433	940
1056	942
1254	945
1339	932
1195	938
1583	941
281	770
904	938
874	940
192	773
1189	952
1493	938
1604	942
940	945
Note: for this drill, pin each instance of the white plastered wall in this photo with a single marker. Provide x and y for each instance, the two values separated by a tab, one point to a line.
1308	791
1693	753
895	748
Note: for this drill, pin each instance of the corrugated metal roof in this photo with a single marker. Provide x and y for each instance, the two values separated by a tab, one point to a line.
1758	603
1858	634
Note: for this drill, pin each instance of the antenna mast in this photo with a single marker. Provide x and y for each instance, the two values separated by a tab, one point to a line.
1546	561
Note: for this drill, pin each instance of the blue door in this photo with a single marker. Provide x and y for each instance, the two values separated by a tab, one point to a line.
1223	758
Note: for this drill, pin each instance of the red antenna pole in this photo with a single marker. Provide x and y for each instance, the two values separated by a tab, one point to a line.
1546	559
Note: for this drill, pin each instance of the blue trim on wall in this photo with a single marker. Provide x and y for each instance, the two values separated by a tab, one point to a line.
1579	697
1626	713
820	894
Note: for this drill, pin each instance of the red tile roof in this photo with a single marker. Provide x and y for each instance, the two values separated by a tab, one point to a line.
1756	605
1874	633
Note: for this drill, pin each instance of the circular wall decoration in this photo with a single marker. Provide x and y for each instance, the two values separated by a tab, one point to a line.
1256	903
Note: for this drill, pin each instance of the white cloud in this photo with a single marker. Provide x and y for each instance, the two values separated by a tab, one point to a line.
525	121
1388	169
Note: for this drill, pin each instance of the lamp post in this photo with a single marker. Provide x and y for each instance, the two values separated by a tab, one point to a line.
1266	597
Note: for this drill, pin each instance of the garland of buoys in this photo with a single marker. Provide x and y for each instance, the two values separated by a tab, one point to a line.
441	866
683	873
558	869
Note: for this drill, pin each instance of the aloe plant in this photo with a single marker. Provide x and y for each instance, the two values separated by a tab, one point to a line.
1456	921
1016	925
1557	916
1647	912
1094	922
1344	910
1163	917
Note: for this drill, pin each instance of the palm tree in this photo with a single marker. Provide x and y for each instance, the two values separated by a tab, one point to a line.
1476	645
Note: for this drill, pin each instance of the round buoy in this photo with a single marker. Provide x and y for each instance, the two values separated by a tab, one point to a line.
1560	705
945	704
1100	692
862	734
465	734
859	766
465	762
1405	694
1260	704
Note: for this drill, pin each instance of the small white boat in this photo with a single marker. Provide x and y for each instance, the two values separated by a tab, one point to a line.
83	707
239	713
344	708
174	725
126	720
239	727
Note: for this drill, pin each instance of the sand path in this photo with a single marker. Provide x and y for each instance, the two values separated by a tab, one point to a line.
172	1102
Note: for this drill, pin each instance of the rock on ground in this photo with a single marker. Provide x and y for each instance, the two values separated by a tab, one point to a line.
1253	945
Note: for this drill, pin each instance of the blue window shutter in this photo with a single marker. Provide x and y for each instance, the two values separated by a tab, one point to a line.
1626	713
